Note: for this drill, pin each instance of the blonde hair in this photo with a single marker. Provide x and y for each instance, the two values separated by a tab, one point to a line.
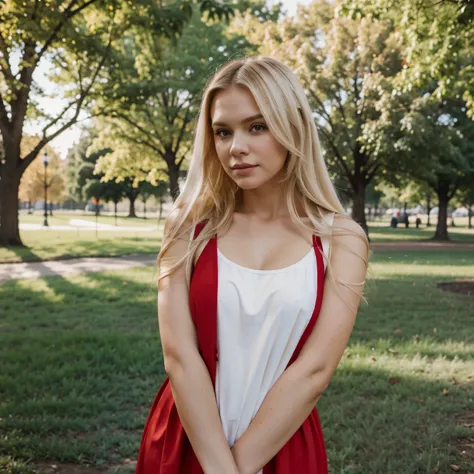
210	194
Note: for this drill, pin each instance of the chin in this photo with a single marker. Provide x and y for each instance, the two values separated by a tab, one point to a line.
248	183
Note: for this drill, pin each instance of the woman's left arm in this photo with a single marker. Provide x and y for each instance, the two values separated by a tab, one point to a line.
294	395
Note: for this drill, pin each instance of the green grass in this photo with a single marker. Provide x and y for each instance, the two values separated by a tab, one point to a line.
53	244
50	244
81	363
382	232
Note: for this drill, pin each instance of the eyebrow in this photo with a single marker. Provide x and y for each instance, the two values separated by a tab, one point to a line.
248	119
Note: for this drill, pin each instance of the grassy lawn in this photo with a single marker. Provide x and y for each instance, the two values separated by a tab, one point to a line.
384	233
51	244
62	244
380	231
78	241
81	363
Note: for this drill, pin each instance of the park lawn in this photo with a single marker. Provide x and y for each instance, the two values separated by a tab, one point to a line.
51	244
64	244
81	364
55	244
382	232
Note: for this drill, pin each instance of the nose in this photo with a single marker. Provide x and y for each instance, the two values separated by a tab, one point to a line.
239	146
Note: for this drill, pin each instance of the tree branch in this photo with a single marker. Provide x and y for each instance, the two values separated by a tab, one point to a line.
139	128
67	15
323	112
182	130
6	70
25	162
338	156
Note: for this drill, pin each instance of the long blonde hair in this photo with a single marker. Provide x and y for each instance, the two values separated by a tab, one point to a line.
210	194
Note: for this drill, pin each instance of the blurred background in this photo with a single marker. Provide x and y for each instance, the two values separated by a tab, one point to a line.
98	101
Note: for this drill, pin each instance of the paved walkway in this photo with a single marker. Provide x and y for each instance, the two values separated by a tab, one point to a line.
16	271
84	224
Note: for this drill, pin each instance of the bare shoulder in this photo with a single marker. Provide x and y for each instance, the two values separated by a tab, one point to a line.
349	239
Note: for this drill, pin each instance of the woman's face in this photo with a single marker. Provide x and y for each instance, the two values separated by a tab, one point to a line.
241	136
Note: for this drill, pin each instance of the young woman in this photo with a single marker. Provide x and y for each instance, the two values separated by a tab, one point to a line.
249	339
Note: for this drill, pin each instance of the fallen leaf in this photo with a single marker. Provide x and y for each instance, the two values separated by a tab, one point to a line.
455	467
374	359
393	380
445	391
392	351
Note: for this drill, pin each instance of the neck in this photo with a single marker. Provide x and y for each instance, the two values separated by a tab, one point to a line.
266	204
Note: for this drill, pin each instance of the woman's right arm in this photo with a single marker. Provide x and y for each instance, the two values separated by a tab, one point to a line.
190	381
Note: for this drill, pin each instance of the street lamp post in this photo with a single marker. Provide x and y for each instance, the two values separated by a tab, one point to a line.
45	162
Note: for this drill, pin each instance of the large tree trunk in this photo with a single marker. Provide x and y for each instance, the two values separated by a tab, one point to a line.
358	206
173	173
442	225
470	216
9	229
131	212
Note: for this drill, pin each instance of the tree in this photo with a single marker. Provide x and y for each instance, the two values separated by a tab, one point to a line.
347	68
150	102
32	182
78	36
81	165
114	192
434	34
466	198
440	141
95	190
147	190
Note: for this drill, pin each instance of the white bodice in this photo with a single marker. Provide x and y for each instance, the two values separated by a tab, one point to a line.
262	315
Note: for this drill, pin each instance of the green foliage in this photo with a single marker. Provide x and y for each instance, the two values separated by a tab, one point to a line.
436	37
81	164
150	101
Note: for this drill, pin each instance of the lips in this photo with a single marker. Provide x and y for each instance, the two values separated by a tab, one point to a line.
243	166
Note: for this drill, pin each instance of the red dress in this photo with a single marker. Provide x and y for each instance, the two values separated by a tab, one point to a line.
165	448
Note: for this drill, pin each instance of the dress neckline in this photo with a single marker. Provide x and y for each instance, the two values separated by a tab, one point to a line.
312	250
